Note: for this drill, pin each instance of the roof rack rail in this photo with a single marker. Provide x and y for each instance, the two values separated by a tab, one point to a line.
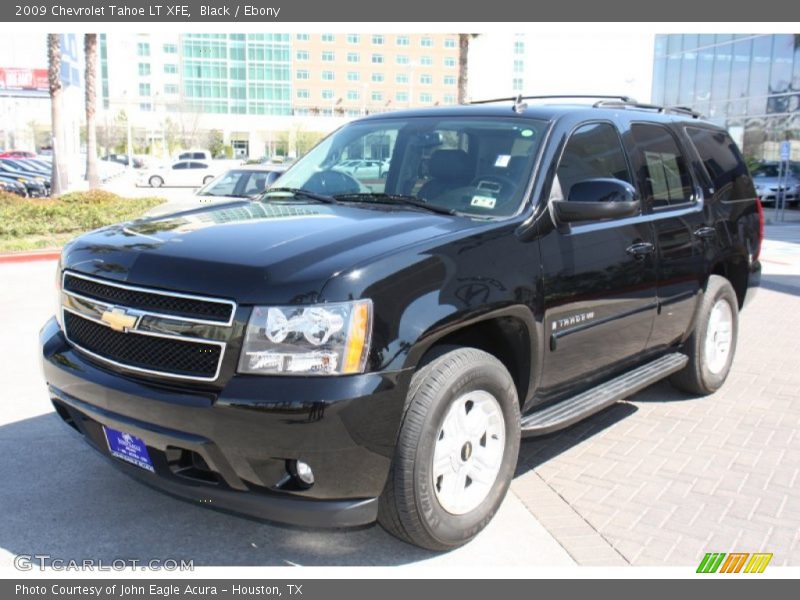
681	110
520	97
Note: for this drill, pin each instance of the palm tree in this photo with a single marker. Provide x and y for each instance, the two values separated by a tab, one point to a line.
90	50
463	65
54	83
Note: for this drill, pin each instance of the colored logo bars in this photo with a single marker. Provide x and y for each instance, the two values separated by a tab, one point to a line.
720	562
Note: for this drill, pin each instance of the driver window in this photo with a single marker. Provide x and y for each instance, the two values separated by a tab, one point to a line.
366	159
594	150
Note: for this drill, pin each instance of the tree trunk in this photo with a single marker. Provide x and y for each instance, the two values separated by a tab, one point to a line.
54	83
463	67
90	50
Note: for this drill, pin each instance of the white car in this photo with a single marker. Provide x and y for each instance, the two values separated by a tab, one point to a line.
181	173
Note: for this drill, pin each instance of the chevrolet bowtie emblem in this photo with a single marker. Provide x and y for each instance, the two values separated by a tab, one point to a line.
119	320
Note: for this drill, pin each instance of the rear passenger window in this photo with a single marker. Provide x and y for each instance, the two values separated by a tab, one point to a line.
723	162
593	151
665	176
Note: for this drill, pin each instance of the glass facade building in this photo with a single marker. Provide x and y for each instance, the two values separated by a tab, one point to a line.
747	83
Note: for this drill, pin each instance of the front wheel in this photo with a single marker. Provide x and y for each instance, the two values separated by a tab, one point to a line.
712	345
156	181
456	452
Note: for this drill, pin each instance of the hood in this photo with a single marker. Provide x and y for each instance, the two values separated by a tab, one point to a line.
252	252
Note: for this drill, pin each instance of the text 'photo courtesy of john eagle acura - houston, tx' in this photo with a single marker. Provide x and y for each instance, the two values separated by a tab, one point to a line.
370	345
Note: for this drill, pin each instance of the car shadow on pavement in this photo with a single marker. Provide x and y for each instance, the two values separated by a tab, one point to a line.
63	499
785	284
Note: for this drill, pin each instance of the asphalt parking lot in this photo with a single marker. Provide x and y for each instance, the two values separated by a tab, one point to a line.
659	479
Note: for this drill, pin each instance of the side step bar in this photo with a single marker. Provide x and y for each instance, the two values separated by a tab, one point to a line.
571	410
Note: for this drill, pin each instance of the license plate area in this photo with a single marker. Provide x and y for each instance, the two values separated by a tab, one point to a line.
128	447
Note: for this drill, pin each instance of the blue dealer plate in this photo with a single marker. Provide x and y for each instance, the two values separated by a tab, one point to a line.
128	447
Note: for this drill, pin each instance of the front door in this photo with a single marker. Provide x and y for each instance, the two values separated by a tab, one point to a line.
599	277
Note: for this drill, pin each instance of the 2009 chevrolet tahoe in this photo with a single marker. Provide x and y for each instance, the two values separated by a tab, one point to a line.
352	347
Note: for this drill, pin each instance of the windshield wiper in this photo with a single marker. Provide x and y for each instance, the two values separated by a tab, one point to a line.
299	192
396	199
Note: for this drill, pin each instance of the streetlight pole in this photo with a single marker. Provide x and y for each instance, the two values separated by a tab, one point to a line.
130	129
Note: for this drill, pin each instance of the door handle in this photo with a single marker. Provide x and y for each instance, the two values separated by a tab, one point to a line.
706	232
640	249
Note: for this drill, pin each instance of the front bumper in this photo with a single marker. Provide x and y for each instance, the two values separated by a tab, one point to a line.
229	449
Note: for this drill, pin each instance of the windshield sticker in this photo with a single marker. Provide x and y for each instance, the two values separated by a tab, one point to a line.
502	160
483	202
526	133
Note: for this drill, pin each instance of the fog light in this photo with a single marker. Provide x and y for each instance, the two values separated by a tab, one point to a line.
301	472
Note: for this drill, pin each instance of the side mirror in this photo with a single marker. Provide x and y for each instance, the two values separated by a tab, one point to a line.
595	200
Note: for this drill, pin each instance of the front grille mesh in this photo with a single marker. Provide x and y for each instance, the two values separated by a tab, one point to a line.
186	358
149	301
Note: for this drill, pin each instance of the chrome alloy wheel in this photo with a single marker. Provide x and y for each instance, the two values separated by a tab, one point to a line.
719	335
468	452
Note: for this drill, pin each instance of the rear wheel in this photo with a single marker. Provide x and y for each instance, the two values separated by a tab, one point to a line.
712	345
456	452
156	181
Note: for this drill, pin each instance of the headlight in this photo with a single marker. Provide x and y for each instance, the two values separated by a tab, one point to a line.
321	339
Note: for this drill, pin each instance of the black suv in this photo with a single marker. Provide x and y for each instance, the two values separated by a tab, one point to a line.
347	349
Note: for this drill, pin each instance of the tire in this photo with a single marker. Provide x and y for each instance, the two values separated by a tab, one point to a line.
207	178
707	369
415	505
155	181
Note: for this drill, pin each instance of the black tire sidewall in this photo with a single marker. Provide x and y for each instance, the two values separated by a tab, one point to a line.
720	290
446	528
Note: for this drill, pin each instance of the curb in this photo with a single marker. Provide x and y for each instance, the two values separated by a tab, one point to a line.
21	257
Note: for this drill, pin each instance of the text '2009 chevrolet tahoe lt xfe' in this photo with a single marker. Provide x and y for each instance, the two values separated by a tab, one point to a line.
357	347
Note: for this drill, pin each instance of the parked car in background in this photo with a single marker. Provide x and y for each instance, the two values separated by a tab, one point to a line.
122	159
29	164
364	168
12	186
769	181
17	154
194	155
243	182
38	183
30	186
181	173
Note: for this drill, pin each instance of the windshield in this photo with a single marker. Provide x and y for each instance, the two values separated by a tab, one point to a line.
476	166
240	183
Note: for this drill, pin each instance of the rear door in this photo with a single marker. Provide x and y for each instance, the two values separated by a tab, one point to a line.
599	277
675	204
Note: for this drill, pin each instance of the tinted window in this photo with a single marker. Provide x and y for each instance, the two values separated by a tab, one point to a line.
593	151
723	163
199	155
180	165
662	167
196	165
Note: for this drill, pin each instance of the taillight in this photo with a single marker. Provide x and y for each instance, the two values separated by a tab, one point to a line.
760	209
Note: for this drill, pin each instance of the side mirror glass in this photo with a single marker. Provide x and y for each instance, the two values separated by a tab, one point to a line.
595	200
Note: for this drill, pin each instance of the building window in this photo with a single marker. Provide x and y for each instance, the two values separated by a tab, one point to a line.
377	40
449	62
328	38
170	89
353	95
144	89
517	84
170	48
402	40
401	78
377	78
377	59
302	37
449	80
327	94
353	57
401	96
401	59
302	74
144	69
426	79
303	55
170	68
450	43
143	49
145	107
353	38
353	76
519	66
519	47
426	97
449	99
426	42
327	56
377	96
426	61
328	76
303	94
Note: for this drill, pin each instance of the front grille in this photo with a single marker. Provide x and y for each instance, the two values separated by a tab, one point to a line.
166	304
144	352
